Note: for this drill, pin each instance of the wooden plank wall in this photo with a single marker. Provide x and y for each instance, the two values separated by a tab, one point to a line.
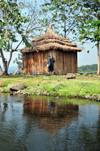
36	63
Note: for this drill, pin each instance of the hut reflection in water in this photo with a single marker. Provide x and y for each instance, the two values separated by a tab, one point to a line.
51	116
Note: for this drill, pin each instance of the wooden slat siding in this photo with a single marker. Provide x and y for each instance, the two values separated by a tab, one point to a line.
76	70
26	60
25	64
56	62
38	66
65	63
68	62
27	56
40	63
61	56
60	63
71	58
45	62
28	63
73	62
55	57
34	67
36	63
31	63
66	56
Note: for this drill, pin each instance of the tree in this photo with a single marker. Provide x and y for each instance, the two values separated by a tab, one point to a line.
89	27
91	31
61	12
11	23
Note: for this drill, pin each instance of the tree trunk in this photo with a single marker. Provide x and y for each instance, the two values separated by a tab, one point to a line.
5	72
1	70
98	72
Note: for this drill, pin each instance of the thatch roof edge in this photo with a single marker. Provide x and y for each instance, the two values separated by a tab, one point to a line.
51	46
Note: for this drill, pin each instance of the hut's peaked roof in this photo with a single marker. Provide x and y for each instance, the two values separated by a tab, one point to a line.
51	41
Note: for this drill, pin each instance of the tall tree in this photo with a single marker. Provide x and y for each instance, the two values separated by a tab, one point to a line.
91	31
89	27
11	23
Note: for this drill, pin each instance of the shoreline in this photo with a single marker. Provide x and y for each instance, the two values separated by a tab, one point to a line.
81	87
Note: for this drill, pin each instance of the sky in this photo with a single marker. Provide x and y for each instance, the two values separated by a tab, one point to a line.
85	58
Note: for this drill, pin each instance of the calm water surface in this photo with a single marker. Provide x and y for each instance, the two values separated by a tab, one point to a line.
45	124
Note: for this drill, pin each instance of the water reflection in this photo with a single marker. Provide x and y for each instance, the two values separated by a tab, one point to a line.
50	115
38	124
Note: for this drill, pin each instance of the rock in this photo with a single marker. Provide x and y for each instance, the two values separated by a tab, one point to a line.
56	86
1	89
70	76
17	87
94	97
98	97
76	94
90	98
10	85
87	96
59	94
16	72
86	73
46	78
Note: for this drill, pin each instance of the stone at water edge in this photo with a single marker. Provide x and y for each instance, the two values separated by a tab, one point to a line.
17	87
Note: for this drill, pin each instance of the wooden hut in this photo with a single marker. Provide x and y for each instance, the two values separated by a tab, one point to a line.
63	51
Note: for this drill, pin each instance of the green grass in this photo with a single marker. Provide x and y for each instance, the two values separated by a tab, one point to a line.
82	84
5	89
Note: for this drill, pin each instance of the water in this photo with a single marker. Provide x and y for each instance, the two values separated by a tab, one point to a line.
45	124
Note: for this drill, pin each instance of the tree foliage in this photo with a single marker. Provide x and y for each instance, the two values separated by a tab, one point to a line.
90	31
11	27
70	14
11	23
61	12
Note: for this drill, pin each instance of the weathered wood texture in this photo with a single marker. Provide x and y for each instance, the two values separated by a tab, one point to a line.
36	62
